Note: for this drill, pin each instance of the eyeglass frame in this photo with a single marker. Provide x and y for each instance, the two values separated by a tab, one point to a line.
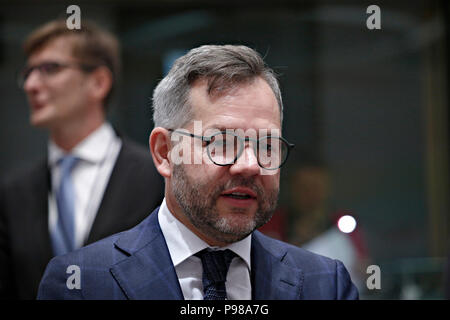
243	141
23	75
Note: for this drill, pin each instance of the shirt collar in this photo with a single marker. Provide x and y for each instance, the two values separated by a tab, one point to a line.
183	243
93	148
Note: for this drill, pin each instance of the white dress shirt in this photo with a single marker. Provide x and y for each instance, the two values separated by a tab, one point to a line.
97	153
183	244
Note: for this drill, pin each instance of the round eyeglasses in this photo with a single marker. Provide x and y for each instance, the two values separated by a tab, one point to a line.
224	148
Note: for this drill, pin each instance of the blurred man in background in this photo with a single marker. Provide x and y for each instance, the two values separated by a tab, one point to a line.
92	182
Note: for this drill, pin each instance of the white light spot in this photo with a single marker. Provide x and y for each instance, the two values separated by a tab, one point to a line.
346	224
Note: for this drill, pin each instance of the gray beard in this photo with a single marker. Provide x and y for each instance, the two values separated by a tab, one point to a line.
199	206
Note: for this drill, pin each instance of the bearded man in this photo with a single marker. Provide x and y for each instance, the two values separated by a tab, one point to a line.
221	184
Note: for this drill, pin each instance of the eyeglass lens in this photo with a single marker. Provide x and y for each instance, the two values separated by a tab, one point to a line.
224	149
45	69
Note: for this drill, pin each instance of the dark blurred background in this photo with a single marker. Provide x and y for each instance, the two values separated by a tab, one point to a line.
367	110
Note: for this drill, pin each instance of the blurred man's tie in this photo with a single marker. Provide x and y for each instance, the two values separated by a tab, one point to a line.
63	236
215	268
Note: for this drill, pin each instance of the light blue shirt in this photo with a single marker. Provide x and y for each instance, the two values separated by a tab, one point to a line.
98	154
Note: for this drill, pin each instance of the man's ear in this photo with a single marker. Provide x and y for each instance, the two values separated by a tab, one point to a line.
159	143
102	81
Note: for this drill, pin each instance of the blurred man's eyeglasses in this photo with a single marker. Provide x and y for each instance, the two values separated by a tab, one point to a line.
224	148
47	69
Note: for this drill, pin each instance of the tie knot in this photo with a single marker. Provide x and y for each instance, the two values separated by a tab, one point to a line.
67	163
216	263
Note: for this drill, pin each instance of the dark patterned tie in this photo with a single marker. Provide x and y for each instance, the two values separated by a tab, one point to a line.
215	267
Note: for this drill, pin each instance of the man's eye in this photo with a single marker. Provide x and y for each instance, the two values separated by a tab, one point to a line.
265	146
206	143
49	68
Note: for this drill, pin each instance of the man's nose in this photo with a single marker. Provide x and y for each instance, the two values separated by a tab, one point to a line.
32	81
247	164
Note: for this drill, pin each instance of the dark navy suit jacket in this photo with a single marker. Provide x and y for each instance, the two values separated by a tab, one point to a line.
136	264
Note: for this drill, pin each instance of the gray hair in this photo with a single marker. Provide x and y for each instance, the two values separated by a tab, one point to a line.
223	66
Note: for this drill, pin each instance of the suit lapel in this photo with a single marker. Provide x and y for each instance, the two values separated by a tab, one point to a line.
37	202
32	212
148	273
272	278
112	205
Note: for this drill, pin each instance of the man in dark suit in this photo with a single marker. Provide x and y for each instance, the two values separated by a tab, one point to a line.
217	143
92	183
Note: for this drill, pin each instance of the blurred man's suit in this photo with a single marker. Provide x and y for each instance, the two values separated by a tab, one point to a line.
134	189
136	264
